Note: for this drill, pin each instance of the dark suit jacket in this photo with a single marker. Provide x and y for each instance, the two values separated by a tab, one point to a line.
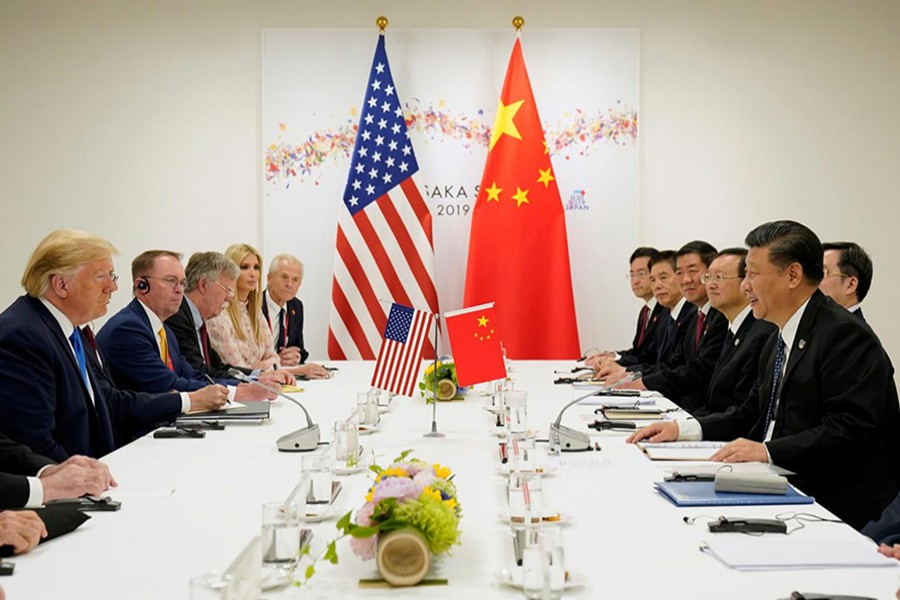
133	413
685	378
886	529
737	369
837	421
44	402
182	325
130	348
295	324
859	314
669	335
17	462
645	352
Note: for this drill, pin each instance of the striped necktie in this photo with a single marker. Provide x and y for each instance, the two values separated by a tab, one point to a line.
75	338
776	380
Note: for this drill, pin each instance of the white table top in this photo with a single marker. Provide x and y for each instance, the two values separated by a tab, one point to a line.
189	506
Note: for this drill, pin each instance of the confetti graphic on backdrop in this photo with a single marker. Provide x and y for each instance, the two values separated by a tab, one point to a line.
574	134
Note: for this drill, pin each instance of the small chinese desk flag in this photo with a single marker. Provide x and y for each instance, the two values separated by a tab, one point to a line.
475	341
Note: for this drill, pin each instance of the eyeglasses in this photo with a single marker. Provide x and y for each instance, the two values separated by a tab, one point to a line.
833	274
172	282
717	277
637	274
111	276
229	293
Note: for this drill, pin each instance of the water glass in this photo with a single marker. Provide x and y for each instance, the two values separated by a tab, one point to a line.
280	536
367	407
346	443
543	564
522	454
517	412
524	499
316	478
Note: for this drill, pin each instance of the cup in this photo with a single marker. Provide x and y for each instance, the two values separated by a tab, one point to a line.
316	478
212	586
517	412
524	498
280	535
522	454
543	564
367	408
346	443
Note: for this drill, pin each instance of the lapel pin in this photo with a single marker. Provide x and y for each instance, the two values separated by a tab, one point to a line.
737	341
802	344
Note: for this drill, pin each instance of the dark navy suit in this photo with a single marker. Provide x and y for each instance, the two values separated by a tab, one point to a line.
886	529
129	346
294	311
17	462
643	351
44	402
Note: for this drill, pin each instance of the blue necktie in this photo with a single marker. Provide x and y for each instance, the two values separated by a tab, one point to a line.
75	338
776	379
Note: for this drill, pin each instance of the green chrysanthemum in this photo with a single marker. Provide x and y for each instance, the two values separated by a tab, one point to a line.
437	522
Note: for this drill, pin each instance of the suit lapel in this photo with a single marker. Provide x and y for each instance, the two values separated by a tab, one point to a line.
802	339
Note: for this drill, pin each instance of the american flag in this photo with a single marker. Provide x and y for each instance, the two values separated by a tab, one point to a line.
400	357
384	243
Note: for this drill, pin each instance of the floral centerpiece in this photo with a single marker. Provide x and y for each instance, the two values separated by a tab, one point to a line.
440	380
410	513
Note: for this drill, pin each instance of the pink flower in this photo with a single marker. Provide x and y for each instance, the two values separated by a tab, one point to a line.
364	547
401	488
423	479
364	514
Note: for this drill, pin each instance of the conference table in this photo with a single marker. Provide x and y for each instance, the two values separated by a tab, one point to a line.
189	506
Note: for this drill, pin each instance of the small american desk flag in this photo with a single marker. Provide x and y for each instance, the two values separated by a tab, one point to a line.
400	357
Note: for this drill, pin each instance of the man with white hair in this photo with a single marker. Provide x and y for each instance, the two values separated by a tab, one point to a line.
284	313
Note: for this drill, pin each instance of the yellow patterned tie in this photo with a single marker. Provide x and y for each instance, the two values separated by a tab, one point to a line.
164	349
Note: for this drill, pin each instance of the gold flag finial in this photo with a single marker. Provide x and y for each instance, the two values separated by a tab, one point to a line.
518	22
382	23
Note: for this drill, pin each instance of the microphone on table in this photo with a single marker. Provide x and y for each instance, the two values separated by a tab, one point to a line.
305	439
566	439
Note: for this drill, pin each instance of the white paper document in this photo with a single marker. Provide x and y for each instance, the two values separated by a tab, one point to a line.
680	450
768	555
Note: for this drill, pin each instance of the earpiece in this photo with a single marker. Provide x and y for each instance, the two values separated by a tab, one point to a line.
142	285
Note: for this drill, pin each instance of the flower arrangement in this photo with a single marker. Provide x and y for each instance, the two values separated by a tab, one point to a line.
440	380
410	493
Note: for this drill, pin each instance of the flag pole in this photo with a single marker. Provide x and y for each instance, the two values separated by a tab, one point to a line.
434	433
518	22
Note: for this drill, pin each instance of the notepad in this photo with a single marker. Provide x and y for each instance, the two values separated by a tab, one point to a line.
680	450
773	555
633	414
703	493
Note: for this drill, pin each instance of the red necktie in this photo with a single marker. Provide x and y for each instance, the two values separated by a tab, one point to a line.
701	318
645	315
204	340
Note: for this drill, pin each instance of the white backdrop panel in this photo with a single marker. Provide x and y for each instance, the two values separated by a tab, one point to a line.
586	84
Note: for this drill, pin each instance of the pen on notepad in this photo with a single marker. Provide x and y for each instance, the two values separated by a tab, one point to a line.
213	382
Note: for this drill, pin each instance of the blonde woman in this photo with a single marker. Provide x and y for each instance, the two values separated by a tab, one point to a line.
241	334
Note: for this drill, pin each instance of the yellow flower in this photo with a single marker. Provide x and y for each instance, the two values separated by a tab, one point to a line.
370	494
392	472
433	493
441	472
451	503
430	369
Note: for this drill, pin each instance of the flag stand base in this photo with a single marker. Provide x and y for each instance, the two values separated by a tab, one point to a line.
434	433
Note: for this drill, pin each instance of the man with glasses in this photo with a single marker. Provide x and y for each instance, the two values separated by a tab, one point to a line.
684	377
142	353
651	315
736	370
848	275
825	404
211	279
51	397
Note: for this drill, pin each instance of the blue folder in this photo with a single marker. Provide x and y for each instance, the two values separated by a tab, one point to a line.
703	493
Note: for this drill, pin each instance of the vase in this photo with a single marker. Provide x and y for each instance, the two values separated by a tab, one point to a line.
403	556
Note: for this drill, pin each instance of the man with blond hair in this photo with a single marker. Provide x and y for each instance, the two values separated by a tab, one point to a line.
51	397
284	313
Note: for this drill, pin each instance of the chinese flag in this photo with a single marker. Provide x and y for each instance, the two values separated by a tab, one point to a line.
475	341
518	250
